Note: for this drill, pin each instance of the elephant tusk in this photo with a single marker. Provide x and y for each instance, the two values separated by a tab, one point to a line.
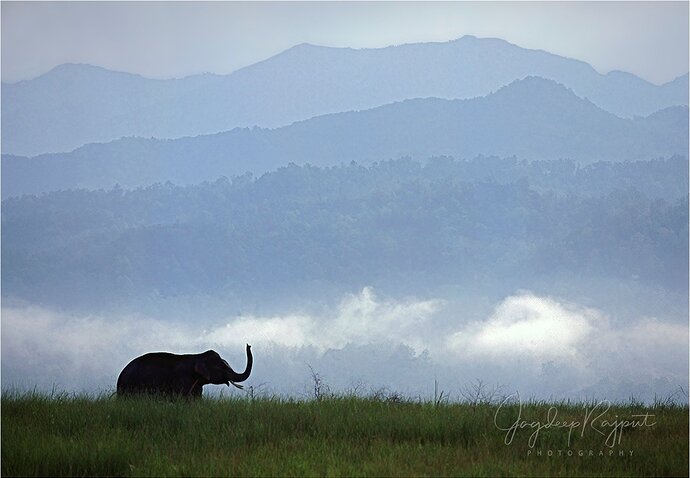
238	386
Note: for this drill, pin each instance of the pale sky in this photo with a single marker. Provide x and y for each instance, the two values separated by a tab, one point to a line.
176	39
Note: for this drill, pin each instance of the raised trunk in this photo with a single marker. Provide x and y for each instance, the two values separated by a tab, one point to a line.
241	377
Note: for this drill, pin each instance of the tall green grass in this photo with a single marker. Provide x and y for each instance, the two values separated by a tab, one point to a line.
68	435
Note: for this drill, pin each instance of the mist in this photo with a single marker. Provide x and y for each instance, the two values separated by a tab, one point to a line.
404	220
538	346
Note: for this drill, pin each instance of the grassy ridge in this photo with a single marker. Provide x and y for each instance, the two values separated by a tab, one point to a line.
103	436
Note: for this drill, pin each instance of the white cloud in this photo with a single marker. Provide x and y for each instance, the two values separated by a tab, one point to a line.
537	338
43	348
538	345
527	325
290	331
360	319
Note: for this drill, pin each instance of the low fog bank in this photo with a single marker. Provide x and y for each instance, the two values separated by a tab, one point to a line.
540	346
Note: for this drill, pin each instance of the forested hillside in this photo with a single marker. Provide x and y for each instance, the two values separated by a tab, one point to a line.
423	225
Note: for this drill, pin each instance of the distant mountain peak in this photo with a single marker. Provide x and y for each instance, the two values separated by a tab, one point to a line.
534	84
76	67
67	71
476	39
305	46
469	40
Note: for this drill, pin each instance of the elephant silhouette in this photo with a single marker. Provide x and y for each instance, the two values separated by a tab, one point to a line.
167	374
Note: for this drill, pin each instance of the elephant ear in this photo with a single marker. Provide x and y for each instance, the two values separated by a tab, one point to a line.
201	369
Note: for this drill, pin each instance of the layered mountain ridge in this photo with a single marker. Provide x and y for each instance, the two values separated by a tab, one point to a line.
73	105
533	119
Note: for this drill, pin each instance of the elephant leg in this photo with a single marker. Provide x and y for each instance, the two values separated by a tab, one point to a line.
192	390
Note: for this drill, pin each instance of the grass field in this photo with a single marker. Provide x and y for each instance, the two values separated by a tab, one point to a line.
67	435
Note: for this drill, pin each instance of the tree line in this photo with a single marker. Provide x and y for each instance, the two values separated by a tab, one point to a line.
438	222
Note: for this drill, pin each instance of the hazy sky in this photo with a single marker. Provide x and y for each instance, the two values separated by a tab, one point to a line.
174	39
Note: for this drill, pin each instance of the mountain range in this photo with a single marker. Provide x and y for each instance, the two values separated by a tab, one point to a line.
75	104
533	118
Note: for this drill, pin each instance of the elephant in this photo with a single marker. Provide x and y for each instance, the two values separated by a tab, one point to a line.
167	374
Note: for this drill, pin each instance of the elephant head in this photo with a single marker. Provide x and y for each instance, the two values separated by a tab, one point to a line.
211	368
